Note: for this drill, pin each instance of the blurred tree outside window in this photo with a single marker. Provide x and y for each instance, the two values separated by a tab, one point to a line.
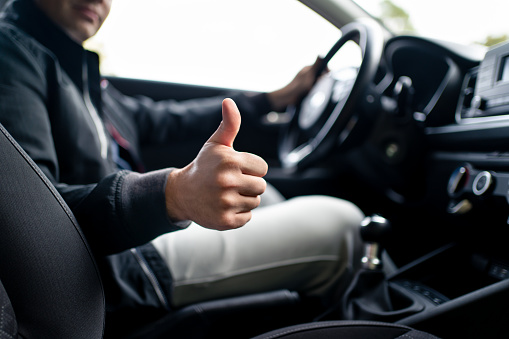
465	22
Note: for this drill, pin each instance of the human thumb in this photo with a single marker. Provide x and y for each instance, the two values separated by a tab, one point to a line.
229	127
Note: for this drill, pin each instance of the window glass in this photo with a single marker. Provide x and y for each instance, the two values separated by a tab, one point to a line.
246	44
466	22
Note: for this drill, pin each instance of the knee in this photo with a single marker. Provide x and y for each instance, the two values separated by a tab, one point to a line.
326	217
333	210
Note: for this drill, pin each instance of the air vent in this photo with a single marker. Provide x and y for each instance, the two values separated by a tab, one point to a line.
465	109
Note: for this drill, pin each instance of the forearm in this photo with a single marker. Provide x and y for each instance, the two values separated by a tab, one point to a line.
122	211
158	122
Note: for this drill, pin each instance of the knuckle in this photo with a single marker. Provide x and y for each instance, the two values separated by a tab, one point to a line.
230	161
229	221
225	179
226	202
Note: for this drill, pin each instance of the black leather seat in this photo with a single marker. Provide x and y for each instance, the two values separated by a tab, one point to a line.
46	266
49	283
50	286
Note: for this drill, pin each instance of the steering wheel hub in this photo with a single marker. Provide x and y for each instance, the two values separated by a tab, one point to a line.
315	103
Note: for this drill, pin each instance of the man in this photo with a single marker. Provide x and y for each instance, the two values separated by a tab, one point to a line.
85	136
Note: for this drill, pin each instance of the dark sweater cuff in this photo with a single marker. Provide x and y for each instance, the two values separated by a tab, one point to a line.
143	204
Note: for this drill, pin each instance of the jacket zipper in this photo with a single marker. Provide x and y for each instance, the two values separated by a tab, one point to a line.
151	277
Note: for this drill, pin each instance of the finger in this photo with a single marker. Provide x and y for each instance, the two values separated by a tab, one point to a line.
233	221
320	67
247	204
229	127
251	186
251	164
239	220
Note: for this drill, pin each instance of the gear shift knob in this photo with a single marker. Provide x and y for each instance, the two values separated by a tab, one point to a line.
374	231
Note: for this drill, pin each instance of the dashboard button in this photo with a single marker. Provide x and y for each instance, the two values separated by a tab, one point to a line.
482	183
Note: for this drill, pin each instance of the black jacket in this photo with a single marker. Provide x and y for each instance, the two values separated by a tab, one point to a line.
44	78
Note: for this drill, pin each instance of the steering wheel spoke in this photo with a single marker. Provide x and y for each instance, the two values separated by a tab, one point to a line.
323	118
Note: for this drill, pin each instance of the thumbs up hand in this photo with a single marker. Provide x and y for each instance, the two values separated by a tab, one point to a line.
221	186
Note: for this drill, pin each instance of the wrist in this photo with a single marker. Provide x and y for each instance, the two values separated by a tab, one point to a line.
277	100
174	207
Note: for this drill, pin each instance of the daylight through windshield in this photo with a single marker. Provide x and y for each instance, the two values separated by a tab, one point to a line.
465	22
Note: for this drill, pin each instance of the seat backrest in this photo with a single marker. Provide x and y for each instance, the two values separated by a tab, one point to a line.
46	266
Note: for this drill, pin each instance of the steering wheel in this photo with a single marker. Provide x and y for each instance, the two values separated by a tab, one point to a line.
327	114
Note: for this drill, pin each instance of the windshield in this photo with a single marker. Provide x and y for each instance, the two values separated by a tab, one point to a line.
466	22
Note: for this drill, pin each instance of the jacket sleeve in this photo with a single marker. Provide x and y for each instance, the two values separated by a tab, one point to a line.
158	122
120	211
129	208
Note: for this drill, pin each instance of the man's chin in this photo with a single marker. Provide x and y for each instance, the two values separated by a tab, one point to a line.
82	34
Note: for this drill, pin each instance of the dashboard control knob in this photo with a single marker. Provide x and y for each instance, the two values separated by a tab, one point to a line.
458	180
482	183
459	207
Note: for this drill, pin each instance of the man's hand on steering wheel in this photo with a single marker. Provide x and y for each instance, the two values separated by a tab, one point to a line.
291	94
329	111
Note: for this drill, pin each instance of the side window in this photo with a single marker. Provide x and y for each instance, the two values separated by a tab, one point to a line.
245	44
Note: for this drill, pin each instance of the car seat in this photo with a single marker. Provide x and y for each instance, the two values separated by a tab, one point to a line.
46	267
50	285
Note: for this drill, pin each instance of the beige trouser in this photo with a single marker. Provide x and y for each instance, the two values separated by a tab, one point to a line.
304	244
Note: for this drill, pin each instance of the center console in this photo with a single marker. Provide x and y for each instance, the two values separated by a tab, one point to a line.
449	300
466	283
473	289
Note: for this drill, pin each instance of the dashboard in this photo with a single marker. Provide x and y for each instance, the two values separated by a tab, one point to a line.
477	141
444	167
451	211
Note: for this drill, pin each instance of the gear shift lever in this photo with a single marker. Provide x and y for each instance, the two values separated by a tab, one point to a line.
370	295
374	231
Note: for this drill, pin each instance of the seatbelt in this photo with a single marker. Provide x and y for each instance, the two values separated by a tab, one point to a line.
99	126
